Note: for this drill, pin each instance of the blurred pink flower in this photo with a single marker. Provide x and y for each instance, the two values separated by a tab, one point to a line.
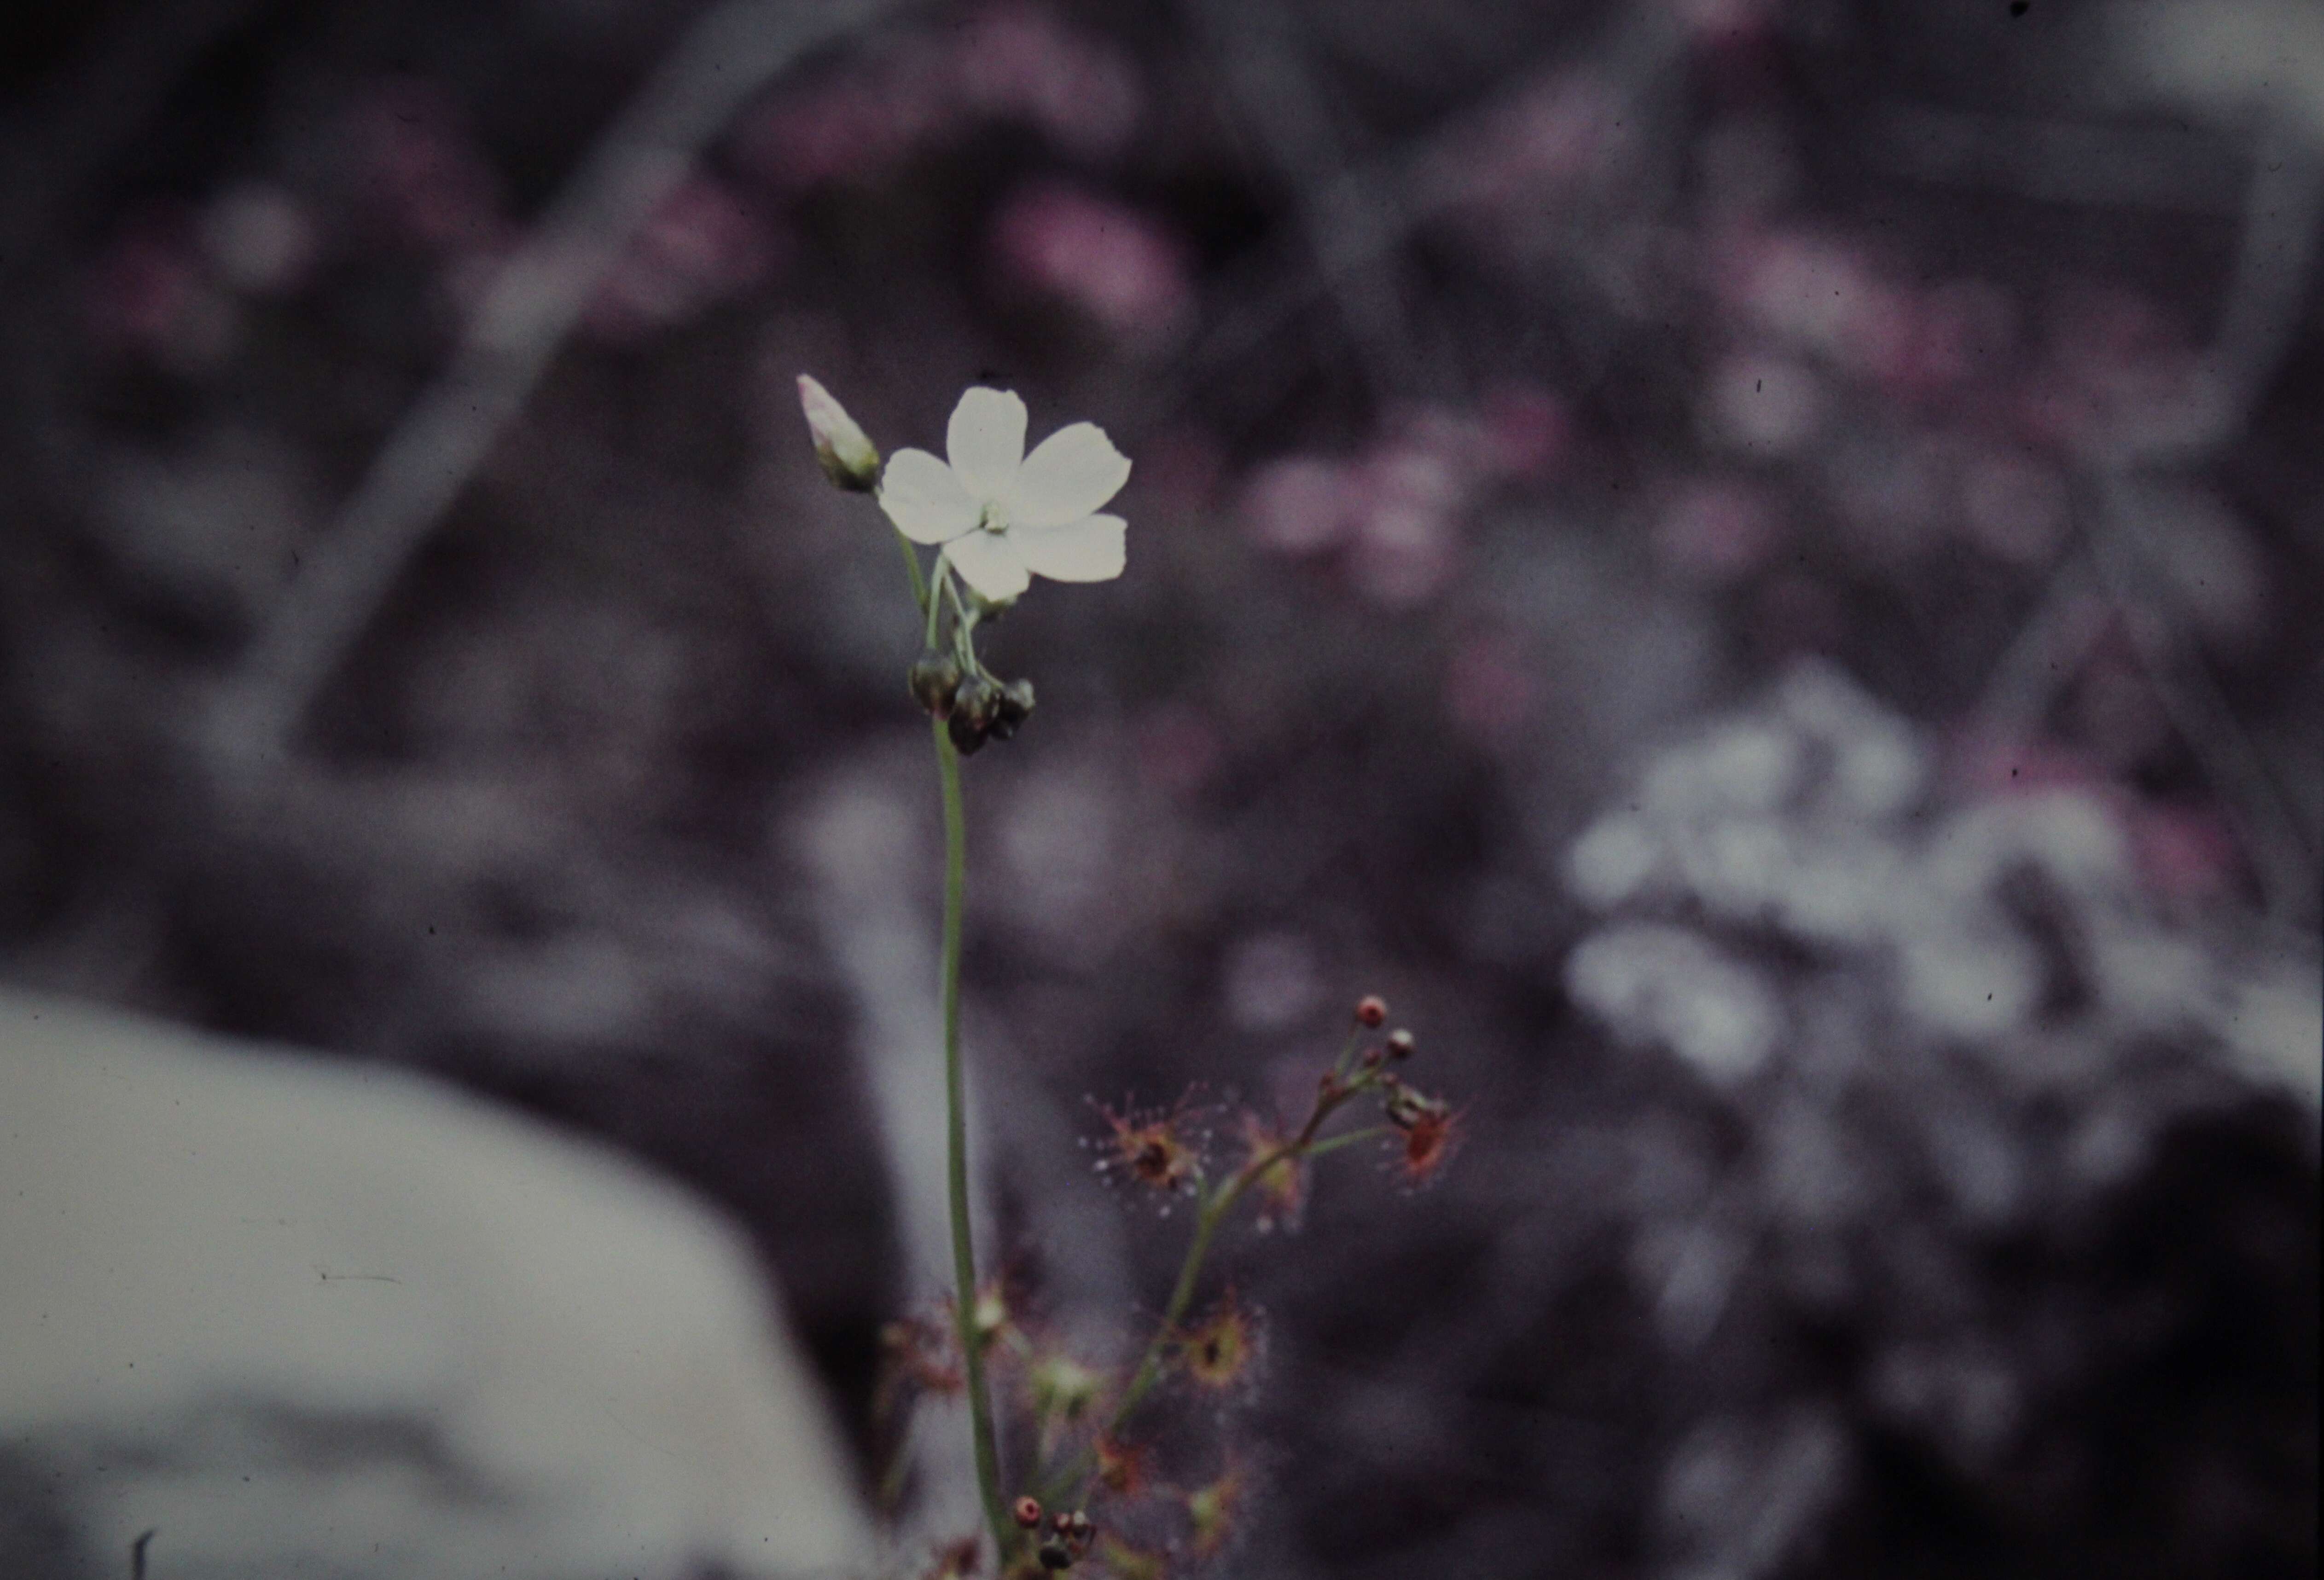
702	246
1300	505
1018	61
1724	22
2119	717
1553	136
1965	330
1407	498
1115	263
2184	853
1396	510
1526	431
431	181
1821	295
1488	689
1181	469
2014	508
139	287
1270	981
1984	764
1715	531
1010	62
148	292
2113	358
1179	748
846	129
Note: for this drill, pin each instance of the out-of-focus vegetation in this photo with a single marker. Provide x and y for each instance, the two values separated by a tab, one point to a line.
1754	564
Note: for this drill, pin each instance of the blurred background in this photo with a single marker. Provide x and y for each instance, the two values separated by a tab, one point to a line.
1757	567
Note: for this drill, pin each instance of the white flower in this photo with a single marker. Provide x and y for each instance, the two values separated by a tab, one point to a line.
1002	516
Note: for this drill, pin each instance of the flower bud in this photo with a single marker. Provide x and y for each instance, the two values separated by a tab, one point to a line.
1372	1010
1026	1511
1401	1043
849	458
933	680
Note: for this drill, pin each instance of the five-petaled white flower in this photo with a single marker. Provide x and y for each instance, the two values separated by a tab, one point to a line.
1002	516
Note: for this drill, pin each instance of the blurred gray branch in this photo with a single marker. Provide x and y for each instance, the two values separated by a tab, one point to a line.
1351	228
728	54
2283	209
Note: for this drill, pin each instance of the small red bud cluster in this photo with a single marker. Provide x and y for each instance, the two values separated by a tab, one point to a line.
1067	1539
1428	1131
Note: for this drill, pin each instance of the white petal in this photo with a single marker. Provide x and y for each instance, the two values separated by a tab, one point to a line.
986	440
925	499
990	564
1069	474
1091	549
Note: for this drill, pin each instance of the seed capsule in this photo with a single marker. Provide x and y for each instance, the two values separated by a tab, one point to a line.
933	680
1014	706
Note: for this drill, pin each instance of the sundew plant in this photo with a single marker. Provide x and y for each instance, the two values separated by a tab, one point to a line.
1085	1470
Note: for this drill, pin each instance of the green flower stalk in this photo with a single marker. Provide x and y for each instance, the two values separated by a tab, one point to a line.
996	517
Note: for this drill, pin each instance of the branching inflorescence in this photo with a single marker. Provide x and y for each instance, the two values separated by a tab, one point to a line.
997	517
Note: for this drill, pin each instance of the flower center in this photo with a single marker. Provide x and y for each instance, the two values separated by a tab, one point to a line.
995	518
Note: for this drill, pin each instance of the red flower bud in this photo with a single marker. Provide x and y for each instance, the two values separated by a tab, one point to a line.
1372	1010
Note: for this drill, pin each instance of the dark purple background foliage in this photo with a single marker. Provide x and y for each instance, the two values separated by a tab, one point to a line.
1512	387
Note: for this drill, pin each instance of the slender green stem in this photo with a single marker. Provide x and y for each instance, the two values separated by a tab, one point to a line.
1350	1138
933	602
963	1253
